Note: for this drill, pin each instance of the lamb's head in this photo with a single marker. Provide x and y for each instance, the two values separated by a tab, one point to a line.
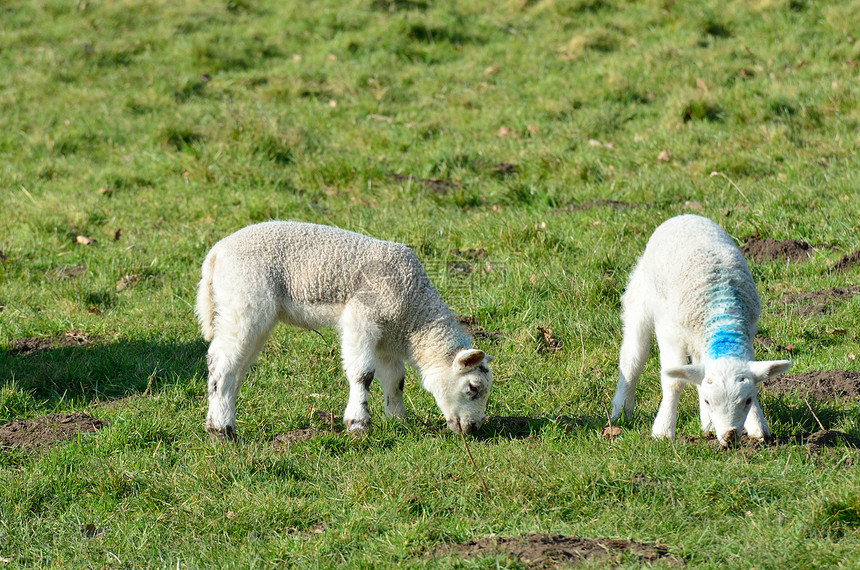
462	390
727	389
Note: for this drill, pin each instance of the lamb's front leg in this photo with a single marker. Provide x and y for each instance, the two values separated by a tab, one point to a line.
704	412
358	343
755	423
391	374
356	417
634	352
672	354
667	416
223	385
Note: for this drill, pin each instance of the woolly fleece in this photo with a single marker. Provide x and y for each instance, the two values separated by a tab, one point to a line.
375	292
692	287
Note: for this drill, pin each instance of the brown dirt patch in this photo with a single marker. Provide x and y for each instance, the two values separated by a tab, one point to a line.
327	418
477	333
814	442
127	281
818	384
66	272
769	249
592	204
556	551
848	261
547	341
40	433
471	253
435	185
610	432
767	344
815	303
30	345
503	169
467	261
285	440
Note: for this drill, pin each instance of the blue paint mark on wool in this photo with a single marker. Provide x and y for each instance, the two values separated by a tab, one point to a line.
726	328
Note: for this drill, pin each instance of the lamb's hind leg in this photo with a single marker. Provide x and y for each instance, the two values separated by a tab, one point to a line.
237	341
359	337
638	325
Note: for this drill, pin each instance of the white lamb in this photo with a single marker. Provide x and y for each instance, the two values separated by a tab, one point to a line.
375	292
693	289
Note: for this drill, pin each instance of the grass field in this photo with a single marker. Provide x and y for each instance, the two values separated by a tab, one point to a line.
525	150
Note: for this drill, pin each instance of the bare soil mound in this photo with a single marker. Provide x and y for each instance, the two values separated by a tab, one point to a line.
468	261
284	440
30	345
818	384
557	551
818	302
478	334
848	261
767	344
814	442
615	205
45	431
66	272
769	249
435	185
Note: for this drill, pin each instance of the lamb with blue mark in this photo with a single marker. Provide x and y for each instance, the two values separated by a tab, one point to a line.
693	290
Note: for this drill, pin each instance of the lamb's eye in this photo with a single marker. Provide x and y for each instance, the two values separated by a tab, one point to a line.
707	403
749	401
483	368
474	390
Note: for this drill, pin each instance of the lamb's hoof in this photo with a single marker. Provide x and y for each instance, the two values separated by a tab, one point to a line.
357	427
225	433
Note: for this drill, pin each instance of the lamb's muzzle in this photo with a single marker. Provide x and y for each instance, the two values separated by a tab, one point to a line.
729	438
458	425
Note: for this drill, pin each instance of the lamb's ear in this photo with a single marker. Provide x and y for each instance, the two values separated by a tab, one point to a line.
768	369
691	373
489	358
467	359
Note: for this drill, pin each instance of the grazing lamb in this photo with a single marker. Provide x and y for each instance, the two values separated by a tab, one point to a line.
376	294
693	289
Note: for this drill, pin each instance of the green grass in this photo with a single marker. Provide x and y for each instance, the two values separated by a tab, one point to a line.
178	123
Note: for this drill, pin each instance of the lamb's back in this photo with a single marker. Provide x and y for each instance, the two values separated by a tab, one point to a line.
315	264
694	266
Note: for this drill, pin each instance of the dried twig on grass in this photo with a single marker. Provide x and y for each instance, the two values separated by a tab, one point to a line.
474	465
610	431
813	415
608	419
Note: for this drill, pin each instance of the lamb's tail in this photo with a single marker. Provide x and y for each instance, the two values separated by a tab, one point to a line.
205	308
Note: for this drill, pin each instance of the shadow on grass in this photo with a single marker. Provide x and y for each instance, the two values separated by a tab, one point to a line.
57	370
524	427
809	414
494	428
